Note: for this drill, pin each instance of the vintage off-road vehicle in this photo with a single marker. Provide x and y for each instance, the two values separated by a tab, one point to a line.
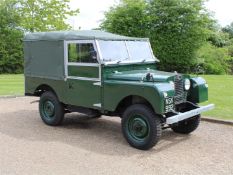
99	73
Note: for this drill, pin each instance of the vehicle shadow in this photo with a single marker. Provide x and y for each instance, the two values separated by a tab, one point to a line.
101	136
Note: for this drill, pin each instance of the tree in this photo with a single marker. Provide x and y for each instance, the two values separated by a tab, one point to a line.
11	57
176	28
179	28
229	29
128	18
45	15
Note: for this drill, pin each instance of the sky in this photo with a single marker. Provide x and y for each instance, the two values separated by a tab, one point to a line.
92	12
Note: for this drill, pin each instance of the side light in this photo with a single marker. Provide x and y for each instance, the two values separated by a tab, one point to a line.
187	84
173	84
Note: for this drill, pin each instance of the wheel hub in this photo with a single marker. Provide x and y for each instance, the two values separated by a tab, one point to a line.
48	109
138	128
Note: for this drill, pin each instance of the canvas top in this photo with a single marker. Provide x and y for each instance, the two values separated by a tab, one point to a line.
78	35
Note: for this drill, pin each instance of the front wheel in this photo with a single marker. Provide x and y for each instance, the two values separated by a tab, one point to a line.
140	127
51	110
187	126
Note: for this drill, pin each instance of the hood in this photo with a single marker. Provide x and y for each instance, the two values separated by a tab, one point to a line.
139	75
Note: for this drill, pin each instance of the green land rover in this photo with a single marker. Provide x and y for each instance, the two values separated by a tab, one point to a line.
99	73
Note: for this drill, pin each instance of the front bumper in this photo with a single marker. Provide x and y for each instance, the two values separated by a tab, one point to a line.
186	115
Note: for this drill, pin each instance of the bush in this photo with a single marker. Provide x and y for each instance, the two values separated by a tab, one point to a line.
213	59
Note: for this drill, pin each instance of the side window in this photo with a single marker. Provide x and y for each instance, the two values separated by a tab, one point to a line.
81	53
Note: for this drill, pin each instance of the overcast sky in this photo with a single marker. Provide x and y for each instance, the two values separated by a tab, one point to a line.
92	12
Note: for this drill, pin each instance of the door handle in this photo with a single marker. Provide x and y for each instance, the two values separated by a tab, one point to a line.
97	84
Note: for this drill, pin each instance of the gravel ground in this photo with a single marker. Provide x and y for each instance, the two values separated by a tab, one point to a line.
82	146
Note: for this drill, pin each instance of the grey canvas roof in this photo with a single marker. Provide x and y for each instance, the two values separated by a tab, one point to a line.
77	35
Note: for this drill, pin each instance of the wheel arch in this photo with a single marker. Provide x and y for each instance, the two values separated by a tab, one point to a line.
43	88
130	100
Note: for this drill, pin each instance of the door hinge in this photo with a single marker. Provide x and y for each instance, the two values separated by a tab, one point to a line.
97	84
99	105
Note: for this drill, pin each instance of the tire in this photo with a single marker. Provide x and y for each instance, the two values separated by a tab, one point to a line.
140	127
51	110
187	126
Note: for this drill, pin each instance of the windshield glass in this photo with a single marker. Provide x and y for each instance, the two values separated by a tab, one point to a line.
113	50
121	51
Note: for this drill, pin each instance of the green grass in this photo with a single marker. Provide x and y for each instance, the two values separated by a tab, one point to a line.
220	92
11	84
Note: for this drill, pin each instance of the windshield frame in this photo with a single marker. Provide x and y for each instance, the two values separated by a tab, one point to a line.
129	60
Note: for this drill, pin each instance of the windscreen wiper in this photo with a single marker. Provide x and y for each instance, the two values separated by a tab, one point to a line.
122	60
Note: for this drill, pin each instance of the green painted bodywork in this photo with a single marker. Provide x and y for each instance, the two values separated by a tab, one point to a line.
104	86
73	92
83	71
199	91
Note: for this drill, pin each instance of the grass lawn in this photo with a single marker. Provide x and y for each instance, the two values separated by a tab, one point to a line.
11	85
220	92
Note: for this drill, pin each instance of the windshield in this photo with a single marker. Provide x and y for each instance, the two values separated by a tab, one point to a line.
120	51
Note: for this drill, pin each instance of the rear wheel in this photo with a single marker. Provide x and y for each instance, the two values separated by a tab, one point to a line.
140	127
187	126
51	110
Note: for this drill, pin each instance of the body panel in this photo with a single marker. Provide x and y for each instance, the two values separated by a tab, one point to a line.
83	71
199	91
44	59
73	92
116	91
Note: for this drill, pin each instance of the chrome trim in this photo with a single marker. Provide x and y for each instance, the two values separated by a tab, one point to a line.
99	51
83	64
66	60
128	62
182	116
67	63
83	78
100	58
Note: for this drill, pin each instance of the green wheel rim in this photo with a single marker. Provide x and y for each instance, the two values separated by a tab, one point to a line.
48	109
138	128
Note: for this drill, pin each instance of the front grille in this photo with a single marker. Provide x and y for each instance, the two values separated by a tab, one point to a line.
179	85
180	95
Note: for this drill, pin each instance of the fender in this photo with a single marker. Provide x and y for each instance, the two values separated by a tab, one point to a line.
116	91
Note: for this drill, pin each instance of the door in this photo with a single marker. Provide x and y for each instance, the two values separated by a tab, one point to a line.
83	73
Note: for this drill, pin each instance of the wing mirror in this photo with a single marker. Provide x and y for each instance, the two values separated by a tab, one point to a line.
93	54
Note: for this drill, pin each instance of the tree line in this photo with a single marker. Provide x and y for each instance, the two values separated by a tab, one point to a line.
18	17
183	33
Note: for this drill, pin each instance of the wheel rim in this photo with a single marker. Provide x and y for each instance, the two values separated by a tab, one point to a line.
138	128
48	109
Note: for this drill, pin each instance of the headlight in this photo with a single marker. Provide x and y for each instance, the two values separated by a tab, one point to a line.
165	94
173	84
187	84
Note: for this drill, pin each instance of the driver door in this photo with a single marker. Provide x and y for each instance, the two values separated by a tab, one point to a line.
83	73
